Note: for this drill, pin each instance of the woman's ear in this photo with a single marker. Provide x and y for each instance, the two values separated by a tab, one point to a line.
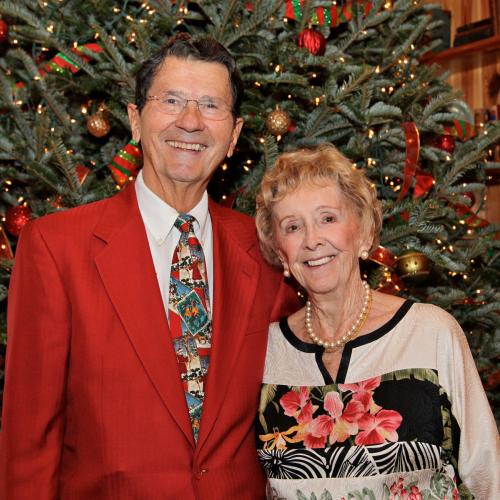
284	263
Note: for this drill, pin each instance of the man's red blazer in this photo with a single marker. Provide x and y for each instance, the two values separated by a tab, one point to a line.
94	407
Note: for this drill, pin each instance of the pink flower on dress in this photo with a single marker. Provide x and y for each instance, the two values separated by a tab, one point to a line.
338	424
415	494
376	429
311	441
363	392
297	404
398	491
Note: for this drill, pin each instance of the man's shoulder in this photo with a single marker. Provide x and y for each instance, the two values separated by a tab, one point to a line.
78	220
70	216
238	220
226	212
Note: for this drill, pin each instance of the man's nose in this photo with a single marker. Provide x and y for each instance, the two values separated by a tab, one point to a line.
190	118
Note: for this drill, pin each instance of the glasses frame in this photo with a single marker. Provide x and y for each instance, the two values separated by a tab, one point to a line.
159	98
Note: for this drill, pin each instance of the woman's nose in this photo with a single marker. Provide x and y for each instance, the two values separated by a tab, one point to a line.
312	238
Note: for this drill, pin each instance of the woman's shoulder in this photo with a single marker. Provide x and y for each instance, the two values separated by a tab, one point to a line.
433	314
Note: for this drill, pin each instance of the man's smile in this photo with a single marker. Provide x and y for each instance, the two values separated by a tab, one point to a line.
191	146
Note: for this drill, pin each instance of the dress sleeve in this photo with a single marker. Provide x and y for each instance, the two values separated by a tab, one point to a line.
38	334
479	449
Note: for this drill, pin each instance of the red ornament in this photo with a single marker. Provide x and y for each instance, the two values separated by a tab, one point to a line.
4	31
446	143
16	218
313	41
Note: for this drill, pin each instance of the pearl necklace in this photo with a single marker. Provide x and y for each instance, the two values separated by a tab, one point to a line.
350	334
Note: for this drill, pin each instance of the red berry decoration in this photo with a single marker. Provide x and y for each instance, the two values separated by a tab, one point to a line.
446	143
4	31
313	41
16	218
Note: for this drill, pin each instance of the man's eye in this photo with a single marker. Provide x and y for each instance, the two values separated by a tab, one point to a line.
170	100
209	105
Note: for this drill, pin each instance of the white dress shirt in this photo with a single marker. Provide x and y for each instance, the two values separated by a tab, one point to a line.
163	236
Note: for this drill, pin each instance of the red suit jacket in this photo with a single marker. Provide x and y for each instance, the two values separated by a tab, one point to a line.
94	407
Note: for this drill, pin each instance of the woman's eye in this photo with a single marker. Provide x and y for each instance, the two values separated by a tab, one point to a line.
291	228
328	218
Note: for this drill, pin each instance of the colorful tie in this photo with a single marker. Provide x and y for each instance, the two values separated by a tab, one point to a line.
189	315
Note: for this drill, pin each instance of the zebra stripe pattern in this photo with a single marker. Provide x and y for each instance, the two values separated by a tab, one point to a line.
354	461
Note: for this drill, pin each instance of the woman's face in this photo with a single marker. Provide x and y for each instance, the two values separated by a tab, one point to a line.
319	238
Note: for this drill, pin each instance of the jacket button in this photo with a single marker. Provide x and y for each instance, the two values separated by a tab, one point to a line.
199	473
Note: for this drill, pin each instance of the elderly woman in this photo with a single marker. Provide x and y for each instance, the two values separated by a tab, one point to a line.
365	395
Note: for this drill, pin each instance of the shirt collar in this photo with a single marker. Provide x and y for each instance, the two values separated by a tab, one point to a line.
159	216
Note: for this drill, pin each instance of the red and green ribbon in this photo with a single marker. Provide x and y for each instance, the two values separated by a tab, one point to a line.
126	163
61	62
461	129
333	16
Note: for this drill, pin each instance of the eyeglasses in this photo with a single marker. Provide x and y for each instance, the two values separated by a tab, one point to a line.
210	108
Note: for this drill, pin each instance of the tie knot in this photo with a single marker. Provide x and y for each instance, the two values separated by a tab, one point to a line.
184	223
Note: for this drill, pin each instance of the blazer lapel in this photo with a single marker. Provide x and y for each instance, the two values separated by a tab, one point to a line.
128	274
236	275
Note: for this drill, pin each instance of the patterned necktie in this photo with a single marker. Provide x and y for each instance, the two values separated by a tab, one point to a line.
189	315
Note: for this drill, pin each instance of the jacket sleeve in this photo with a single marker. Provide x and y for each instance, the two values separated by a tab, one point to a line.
479	448
38	338
287	301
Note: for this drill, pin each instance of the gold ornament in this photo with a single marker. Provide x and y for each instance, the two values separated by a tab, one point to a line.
413	266
278	121
98	124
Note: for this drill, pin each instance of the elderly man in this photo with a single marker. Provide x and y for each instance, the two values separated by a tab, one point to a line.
138	324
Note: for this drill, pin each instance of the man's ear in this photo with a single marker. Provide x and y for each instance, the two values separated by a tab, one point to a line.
238	124
134	119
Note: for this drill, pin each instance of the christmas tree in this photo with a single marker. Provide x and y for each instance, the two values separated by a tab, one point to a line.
346	72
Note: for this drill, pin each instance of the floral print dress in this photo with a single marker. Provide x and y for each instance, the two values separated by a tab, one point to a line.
407	417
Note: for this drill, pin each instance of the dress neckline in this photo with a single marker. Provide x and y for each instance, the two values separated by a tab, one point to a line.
376	334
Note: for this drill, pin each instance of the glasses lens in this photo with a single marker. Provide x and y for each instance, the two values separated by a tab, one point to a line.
212	109
172	104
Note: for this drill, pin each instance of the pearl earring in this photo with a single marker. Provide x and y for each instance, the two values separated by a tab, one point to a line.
286	273
364	254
